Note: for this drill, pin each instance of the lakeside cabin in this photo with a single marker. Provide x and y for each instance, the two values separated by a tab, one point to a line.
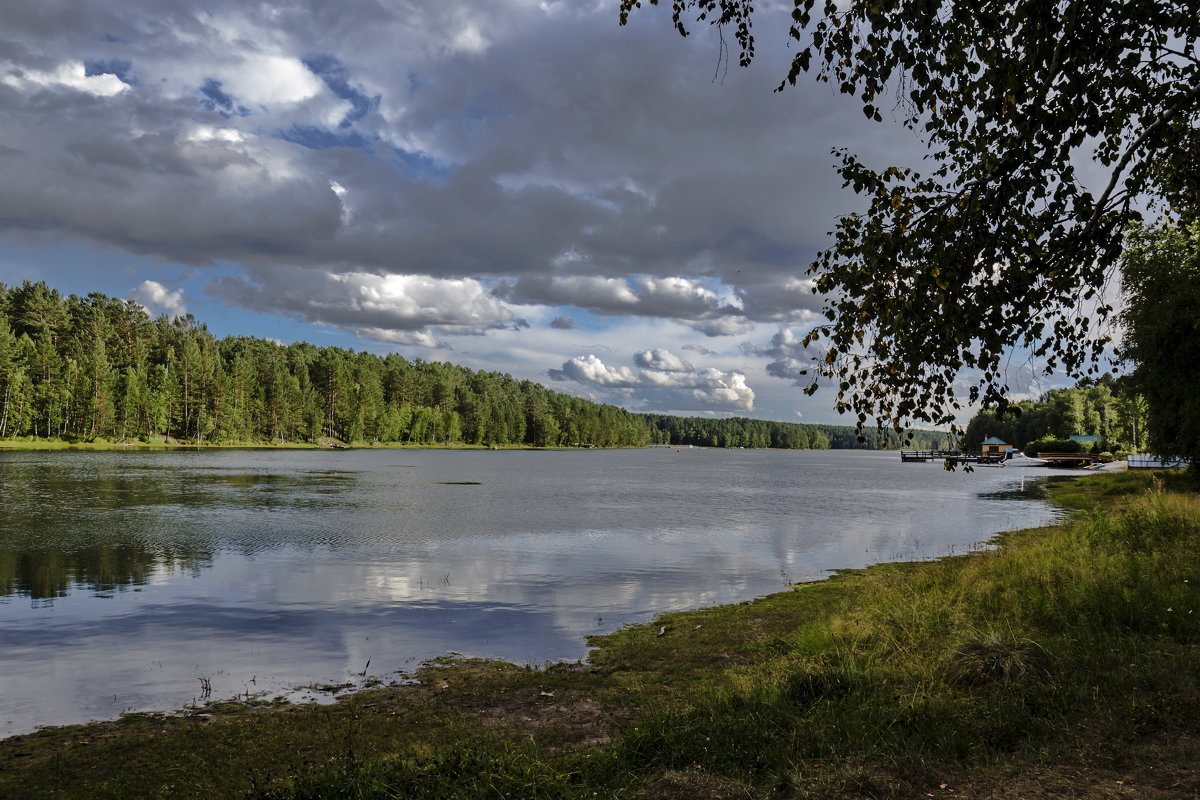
993	446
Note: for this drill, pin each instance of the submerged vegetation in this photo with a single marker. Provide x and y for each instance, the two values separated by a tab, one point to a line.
97	369
1063	661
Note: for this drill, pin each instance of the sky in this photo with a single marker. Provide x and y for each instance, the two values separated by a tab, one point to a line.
513	185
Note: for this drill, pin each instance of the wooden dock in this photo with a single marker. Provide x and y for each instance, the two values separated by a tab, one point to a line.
950	457
1073	459
927	455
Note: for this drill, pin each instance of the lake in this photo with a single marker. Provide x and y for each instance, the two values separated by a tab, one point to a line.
134	580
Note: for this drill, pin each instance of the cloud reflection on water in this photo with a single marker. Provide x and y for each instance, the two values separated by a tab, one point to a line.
266	570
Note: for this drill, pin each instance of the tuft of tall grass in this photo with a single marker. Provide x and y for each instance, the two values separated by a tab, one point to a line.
996	657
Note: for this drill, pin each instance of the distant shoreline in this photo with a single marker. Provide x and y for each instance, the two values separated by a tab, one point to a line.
52	444
59	444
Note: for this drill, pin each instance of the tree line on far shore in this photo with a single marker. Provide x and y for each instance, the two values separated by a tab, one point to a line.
99	368
744	432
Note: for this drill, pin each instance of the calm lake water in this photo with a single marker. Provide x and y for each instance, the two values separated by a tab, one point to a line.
126	578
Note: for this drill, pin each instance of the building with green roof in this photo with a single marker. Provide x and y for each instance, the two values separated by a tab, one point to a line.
993	446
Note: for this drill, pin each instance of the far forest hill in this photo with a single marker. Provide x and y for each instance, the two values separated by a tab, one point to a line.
98	368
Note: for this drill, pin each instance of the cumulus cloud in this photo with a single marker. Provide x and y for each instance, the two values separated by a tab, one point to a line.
601	295
701	349
689	301
787	299
158	299
792	360
663	360
409	338
679	297
404	309
590	369
266	80
679	387
562	323
721	326
70	74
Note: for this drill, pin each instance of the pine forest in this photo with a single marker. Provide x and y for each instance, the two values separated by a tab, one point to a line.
98	368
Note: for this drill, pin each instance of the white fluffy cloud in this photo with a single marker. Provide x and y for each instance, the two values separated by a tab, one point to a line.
268	80
403	309
678	387
590	369
663	360
70	74
158	299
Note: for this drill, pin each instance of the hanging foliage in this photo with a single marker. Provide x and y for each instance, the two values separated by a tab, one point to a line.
996	244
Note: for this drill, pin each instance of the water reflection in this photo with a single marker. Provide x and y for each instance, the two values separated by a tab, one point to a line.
125	577
48	573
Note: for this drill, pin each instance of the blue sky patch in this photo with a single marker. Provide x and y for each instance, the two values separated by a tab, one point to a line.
418	166
333	72
217	99
315	138
120	67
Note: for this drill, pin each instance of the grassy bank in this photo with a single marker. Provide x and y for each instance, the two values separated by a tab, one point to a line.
1065	663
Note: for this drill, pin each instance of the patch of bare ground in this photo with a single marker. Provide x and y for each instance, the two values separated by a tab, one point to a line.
680	784
550	705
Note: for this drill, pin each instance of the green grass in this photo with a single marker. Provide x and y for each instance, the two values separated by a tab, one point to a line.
1071	648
